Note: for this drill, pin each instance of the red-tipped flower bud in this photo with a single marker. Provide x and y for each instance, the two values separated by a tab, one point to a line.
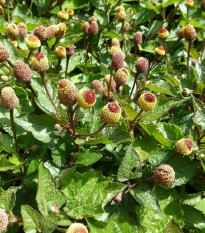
62	30
60	52
86	99
121	76
33	42
77	228
163	33
159	51
184	146
67	92
142	65
39	62
121	16
137	39
70	11
147	101
93	28
126	27
9	100
40	32
111	113
70	50
118	60
92	19
189	3
63	15
22	72
164	174
190	32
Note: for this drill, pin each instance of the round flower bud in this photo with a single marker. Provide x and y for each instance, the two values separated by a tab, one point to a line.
126	27
63	15
22	72
121	76
4	220
105	92
194	61
51	31
39	62
1	10
164	174
4	54
67	92
189	3
111	113
97	86
117	60
159	51
4	78
69	50
60	52
154	3
70	11
86	99
15	43
92	19
181	33
187	92
121	8
115	42
137	39
93	28
184	146
190	32
34	148
62	30
57	127
163	33
85	27
113	84
121	16
142	65
54	209
147	101
114	49
9	100
77	228
12	30
22	29
33	42
40	32
2	2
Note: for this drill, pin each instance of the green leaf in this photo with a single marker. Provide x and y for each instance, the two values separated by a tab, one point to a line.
87	157
8	198
130	167
200	206
48	195
172	227
163	87
74	4
6	165
164	133
199	113
7	143
31	219
169	202
42	5
87	193
116	224
167	3
145	196
192	199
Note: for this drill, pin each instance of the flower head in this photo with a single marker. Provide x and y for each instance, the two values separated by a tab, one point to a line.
147	101
70	50
22	72
12	30
9	100
40	32
86	99
164	174
137	39
121	76
33	42
22	29
60	52
63	15
97	86
111	113
39	62
184	146
4	54
77	228
117	60
163	33
159	51
142	65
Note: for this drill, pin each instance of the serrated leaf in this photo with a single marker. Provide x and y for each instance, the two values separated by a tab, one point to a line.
88	193
167	3
172	227
199	113
130	167
48	195
116	224
7	142
145	196
192	199
200	206
87	157
8	198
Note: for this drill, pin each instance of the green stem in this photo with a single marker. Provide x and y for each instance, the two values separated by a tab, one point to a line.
202	52
188	57
86	54
164	44
8	16
31	88
123	36
14	129
109	85
9	62
67	62
137	74
87	135
42	74
29	55
58	66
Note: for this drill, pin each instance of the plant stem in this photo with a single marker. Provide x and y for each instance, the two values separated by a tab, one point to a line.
202	52
14	129
31	88
109	86
170	158
86	54
123	36
61	229
71	119
67	62
138	115
9	62
58	66
188	57
42	74
164	44
150	177
8	16
29	55
56	42
137	74
87	135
